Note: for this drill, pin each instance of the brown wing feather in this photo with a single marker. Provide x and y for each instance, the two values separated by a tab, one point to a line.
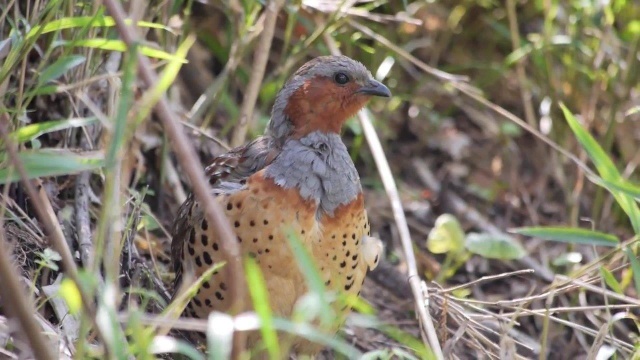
227	169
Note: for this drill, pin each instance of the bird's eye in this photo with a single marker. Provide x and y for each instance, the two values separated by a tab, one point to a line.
341	78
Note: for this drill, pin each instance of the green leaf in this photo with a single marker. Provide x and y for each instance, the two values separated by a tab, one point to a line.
624	186
606	168
610	280
43	90
39	163
260	300
48	259
30	132
496	246
569	235
446	236
635	267
59	68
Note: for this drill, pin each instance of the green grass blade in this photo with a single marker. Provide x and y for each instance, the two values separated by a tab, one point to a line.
40	163
606	168
119	45
167	78
611	280
623	186
311	333
410	341
569	235
85	21
312	276
107	320
220	329
635	267
180	301
33	131
59	68
260	299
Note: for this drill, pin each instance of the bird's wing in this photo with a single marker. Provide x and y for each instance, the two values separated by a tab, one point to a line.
227	174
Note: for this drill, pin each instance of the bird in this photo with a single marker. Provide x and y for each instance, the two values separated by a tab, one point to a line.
298	178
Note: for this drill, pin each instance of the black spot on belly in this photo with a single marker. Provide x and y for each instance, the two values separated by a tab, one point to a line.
348	286
207	258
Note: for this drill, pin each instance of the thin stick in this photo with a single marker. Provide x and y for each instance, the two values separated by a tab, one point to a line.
525	92
18	305
186	155
487	278
421	297
260	58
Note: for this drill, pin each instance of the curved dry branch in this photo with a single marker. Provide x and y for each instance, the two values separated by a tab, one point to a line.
186	155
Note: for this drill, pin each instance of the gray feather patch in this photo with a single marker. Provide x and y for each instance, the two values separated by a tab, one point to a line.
320	167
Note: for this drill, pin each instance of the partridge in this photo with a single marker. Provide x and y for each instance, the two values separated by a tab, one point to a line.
298	178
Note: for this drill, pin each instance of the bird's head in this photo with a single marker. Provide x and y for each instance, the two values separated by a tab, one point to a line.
321	96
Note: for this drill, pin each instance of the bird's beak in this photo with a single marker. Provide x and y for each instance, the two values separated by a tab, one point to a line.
374	88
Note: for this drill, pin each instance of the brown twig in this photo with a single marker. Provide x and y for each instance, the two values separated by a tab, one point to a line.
82	218
260	58
186	155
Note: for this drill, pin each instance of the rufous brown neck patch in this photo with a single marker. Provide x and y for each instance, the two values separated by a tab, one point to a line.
321	105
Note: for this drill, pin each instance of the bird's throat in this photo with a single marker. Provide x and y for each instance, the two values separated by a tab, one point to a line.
318	165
